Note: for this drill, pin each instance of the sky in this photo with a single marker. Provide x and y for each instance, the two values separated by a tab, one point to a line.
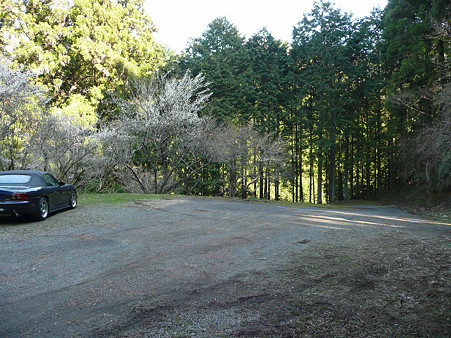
178	21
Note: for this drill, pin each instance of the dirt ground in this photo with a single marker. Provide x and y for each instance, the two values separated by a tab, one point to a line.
203	267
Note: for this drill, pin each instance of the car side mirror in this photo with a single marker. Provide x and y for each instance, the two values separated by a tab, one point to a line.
61	183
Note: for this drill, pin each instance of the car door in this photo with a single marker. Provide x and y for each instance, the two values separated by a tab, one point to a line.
56	198
65	192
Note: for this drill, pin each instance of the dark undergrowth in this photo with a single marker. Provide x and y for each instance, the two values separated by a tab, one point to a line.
421	202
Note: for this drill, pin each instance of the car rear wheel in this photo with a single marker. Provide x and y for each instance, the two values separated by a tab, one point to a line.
73	200
43	209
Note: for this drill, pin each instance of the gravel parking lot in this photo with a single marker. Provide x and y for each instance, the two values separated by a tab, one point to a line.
173	267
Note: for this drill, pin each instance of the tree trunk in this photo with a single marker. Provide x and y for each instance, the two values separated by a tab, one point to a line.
301	171
332	164
155	179
262	181
320	178
243	183
267	184
311	170
346	172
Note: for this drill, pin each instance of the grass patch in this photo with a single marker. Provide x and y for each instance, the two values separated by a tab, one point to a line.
95	199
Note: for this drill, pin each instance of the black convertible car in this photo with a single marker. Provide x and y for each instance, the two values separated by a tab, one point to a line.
34	193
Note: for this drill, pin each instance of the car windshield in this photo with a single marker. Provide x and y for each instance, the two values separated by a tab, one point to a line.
15	179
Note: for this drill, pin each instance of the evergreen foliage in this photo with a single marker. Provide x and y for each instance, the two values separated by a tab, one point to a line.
416	53
81	48
220	55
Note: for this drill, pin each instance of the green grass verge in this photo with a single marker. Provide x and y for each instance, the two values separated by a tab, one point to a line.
111	198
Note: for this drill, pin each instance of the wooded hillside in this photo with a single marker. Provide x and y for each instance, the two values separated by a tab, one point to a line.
350	108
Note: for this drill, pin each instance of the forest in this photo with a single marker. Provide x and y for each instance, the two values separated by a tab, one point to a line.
349	109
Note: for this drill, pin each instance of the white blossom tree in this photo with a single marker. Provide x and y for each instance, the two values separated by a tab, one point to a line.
19	114
65	147
162	119
32	137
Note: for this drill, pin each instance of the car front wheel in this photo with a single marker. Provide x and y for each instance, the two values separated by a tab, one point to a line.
43	209
73	200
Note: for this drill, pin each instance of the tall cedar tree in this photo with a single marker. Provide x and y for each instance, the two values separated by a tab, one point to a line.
220	55
270	93
321	50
